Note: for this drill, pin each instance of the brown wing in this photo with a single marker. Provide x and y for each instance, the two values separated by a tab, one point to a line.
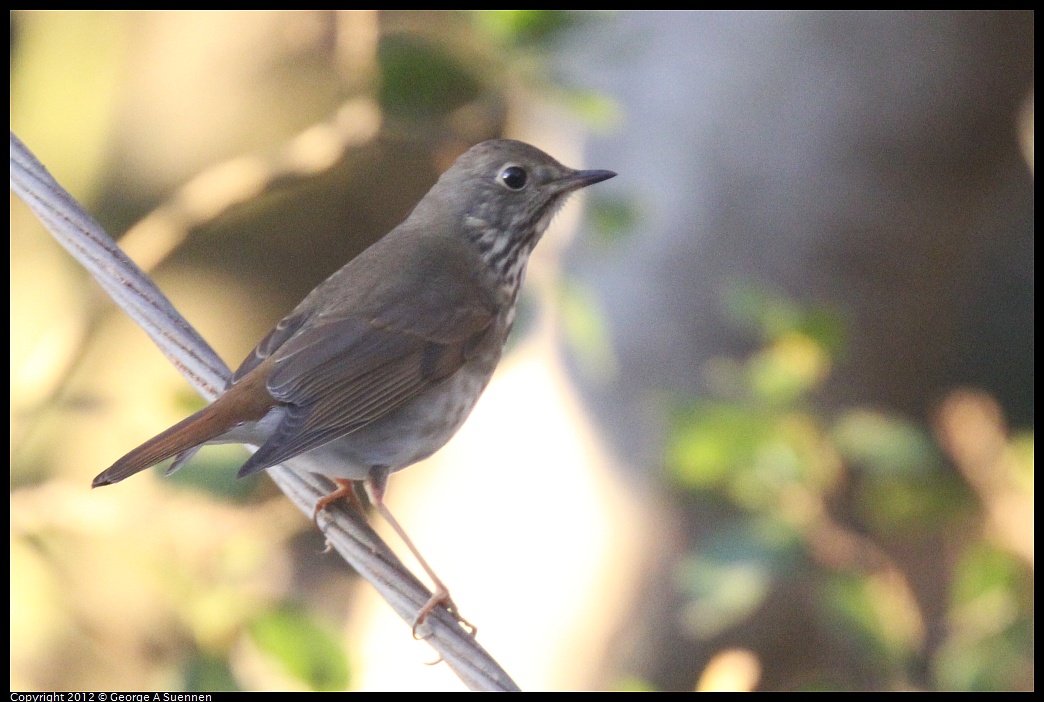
343	361
279	335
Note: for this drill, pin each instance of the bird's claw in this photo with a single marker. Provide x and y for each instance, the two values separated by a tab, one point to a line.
441	597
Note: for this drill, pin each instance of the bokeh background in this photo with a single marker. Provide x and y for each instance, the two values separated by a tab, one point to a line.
766	421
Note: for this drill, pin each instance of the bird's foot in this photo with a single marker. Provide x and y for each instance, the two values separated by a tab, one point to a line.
441	597
345	490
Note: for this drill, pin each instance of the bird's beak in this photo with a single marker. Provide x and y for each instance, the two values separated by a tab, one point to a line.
585	178
581	179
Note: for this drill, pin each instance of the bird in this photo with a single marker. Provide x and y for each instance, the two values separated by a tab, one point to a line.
383	361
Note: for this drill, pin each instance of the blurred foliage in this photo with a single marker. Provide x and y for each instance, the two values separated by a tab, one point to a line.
610	218
211	673
783	468
584	328
209	470
525	27
733	573
635	685
305	647
989	630
421	80
524	38
475	57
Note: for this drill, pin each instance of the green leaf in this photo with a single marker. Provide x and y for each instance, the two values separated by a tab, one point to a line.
304	647
881	612
885	444
586	333
209	674
772	316
733	574
611	218
419	80
711	440
520	27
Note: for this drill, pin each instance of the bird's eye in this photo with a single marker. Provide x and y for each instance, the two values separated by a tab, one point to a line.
514	177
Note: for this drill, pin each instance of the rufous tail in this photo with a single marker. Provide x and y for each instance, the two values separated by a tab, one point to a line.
186	434
243	402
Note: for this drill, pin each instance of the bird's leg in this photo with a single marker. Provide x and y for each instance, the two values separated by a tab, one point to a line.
345	489
375	484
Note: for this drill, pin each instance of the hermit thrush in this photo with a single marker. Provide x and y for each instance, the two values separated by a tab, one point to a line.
383	361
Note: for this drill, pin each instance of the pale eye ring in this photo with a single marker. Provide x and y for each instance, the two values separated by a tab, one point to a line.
514	177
